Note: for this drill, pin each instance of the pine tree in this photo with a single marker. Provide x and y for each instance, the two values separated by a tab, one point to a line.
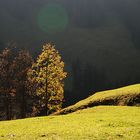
48	74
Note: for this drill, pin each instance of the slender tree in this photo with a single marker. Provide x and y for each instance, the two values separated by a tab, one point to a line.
48	74
7	89
21	64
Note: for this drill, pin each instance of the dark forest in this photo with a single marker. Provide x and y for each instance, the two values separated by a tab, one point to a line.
99	40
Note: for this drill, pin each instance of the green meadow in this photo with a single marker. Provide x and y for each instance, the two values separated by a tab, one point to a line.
105	120
97	123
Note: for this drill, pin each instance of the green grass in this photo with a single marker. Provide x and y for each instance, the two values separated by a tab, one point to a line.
97	123
94	123
129	95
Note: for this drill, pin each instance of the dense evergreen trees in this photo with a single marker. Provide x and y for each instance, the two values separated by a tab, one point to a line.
31	88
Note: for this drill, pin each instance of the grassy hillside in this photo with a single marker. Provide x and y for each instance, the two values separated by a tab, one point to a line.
98	123
129	95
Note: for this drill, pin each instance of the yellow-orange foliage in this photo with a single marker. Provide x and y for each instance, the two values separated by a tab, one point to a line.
48	73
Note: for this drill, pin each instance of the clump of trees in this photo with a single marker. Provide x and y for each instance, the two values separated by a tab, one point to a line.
28	87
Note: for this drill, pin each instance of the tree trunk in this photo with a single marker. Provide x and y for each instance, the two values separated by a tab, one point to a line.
7	107
46	102
23	104
10	108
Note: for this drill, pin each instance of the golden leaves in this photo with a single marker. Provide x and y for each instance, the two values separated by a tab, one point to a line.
48	72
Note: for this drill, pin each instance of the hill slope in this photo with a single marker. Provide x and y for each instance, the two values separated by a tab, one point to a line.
98	123
129	95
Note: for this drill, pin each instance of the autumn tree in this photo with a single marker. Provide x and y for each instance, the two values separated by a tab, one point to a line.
14	66
21	64
7	89
48	74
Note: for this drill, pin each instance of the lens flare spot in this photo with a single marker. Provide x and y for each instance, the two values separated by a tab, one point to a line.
52	18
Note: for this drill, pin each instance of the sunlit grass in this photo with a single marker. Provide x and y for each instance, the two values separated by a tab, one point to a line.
129	95
99	123
94	123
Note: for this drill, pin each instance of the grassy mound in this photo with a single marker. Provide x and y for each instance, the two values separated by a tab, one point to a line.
126	96
98	123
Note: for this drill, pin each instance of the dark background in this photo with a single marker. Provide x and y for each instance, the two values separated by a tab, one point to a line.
100	45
